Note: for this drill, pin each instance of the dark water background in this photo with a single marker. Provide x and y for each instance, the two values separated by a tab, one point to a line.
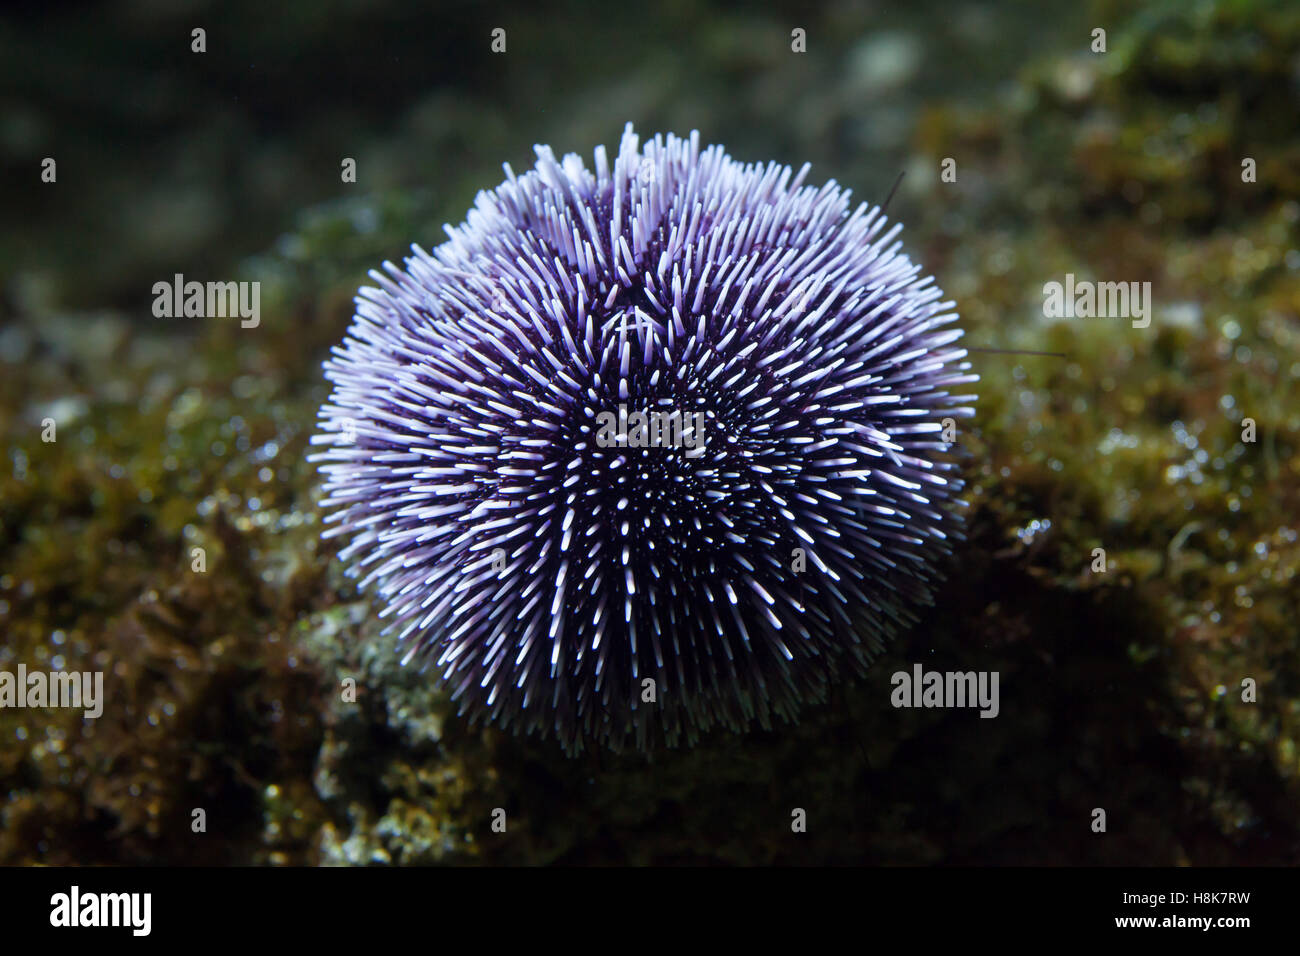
175	161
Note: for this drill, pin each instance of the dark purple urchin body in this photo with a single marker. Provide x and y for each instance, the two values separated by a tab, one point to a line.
743	577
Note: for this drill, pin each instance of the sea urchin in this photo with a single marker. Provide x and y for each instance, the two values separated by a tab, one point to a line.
507	466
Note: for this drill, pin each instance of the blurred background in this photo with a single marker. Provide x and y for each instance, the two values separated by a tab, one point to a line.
1120	690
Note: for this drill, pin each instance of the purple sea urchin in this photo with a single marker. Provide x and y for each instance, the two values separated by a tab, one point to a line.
548	572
